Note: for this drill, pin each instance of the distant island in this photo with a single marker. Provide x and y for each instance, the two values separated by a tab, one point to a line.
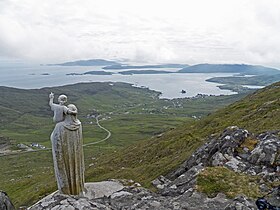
256	75
241	69
118	67
92	73
144	72
92	62
261	80
98	73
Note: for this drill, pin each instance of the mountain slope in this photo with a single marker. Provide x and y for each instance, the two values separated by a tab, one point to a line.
147	160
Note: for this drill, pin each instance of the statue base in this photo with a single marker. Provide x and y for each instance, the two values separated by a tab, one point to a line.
93	190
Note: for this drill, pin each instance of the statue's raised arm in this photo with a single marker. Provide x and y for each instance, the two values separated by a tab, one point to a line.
51	96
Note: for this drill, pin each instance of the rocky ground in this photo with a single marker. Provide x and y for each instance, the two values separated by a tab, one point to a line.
136	197
235	149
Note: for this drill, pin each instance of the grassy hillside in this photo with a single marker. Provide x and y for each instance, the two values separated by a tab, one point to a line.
26	116
148	159
131	114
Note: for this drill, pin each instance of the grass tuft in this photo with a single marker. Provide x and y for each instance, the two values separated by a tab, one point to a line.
214	180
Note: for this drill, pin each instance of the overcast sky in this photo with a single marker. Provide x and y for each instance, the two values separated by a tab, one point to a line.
160	31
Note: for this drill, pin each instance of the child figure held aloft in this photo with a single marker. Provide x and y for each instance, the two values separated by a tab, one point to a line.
60	110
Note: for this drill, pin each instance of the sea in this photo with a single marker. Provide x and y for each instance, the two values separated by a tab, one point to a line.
170	85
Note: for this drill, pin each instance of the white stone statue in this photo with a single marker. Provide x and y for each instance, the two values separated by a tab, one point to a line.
67	147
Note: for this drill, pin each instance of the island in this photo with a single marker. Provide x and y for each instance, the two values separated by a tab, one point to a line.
241	69
260	80
98	73
118	67
92	73
91	62
144	72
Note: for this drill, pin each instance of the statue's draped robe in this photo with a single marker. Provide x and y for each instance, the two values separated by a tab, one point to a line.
68	157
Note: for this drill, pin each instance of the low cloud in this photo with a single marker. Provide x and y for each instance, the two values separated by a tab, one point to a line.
186	31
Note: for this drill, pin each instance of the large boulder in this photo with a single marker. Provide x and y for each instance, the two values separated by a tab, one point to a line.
267	151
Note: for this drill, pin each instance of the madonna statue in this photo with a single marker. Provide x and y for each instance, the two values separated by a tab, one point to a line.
67	148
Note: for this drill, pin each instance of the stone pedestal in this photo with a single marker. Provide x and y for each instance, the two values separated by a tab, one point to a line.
57	201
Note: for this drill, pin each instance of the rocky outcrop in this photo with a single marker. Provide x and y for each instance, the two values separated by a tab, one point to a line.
66	202
235	149
240	151
135	197
5	202
96	190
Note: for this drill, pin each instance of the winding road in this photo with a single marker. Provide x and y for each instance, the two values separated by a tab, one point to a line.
100	126
84	145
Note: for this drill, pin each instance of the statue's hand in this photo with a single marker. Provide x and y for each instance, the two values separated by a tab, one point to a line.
51	96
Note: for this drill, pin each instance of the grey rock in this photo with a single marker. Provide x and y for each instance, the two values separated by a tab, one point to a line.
218	159
199	201
183	182
267	150
161	182
62	202
241	203
274	197
100	189
5	202
120	194
264	188
235	165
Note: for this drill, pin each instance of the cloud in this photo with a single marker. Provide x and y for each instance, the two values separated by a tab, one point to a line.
189	31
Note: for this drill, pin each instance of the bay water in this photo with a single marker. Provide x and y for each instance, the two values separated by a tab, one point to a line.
170	85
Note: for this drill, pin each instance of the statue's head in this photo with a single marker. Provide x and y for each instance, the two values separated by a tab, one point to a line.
72	109
62	99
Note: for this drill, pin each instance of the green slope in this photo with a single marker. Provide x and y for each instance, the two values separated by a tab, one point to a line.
28	177
148	159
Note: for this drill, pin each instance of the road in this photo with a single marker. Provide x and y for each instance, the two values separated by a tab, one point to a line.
101	127
84	145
